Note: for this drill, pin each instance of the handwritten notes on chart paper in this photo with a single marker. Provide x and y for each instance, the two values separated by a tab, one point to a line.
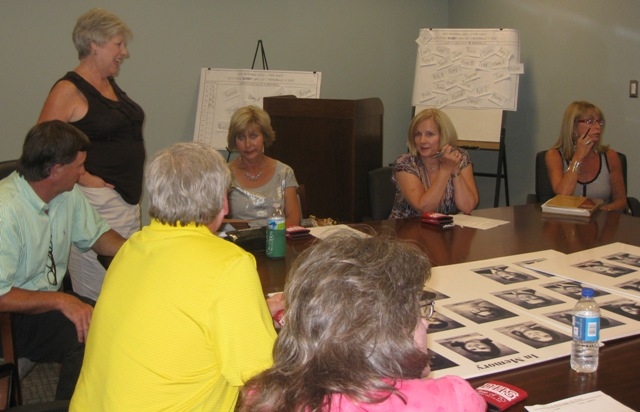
467	68
223	91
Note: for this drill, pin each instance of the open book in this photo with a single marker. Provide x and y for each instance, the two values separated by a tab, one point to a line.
571	205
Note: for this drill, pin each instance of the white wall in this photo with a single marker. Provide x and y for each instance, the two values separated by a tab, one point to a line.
364	48
572	50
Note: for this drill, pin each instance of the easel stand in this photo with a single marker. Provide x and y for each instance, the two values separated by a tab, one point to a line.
265	65
501	171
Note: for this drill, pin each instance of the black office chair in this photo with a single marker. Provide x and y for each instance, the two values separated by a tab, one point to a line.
7	167
301	191
381	192
544	191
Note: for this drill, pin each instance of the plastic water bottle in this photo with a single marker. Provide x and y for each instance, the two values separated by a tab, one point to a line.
276	235
586	333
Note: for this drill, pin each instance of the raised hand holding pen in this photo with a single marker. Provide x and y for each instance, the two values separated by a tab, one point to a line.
450	159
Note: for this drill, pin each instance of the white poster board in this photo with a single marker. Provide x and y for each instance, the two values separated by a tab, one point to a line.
467	68
223	91
474	125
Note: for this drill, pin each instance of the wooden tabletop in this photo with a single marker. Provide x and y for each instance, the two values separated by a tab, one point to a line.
528	230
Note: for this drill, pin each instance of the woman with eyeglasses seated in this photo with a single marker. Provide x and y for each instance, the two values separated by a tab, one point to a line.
355	335
436	175
580	165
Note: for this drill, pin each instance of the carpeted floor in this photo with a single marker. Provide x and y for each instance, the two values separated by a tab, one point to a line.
40	383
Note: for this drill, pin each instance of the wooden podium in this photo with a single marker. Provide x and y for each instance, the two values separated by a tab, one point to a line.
331	146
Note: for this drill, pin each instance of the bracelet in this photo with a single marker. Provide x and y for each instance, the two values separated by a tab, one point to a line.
454	175
574	167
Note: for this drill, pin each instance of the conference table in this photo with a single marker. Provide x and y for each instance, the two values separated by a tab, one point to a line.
528	230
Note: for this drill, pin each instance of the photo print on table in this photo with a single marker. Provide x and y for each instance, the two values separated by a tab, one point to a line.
439	322
571	289
438	295
480	311
438	362
566	317
476	347
527	298
598	266
626	258
526	263
632	285
503	274
534	334
625	307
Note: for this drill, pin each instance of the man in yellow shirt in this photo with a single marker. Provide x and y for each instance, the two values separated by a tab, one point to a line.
181	322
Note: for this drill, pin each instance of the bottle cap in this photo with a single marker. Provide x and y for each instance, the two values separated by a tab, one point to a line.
587	293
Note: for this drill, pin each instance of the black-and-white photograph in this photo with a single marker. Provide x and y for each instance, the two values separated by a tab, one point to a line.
566	317
625	307
435	295
476	347
632	285
439	362
525	263
439	322
527	298
504	274
480	311
571	289
534	334
626	258
607	269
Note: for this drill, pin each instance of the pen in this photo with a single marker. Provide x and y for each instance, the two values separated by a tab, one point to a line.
440	153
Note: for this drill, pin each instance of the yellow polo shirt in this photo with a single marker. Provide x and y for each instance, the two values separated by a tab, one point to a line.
180	325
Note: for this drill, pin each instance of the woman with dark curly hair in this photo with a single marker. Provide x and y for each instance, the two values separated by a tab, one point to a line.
479	347
355	335
538	336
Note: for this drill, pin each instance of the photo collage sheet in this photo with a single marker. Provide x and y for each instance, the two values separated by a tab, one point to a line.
500	314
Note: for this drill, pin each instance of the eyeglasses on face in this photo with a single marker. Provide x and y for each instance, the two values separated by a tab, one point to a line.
427	304
592	122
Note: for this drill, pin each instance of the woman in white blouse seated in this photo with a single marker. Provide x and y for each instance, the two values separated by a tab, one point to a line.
258	181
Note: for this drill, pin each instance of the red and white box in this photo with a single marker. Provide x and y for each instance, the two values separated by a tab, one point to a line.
500	395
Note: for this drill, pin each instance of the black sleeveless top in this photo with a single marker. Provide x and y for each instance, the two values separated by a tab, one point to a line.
117	150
